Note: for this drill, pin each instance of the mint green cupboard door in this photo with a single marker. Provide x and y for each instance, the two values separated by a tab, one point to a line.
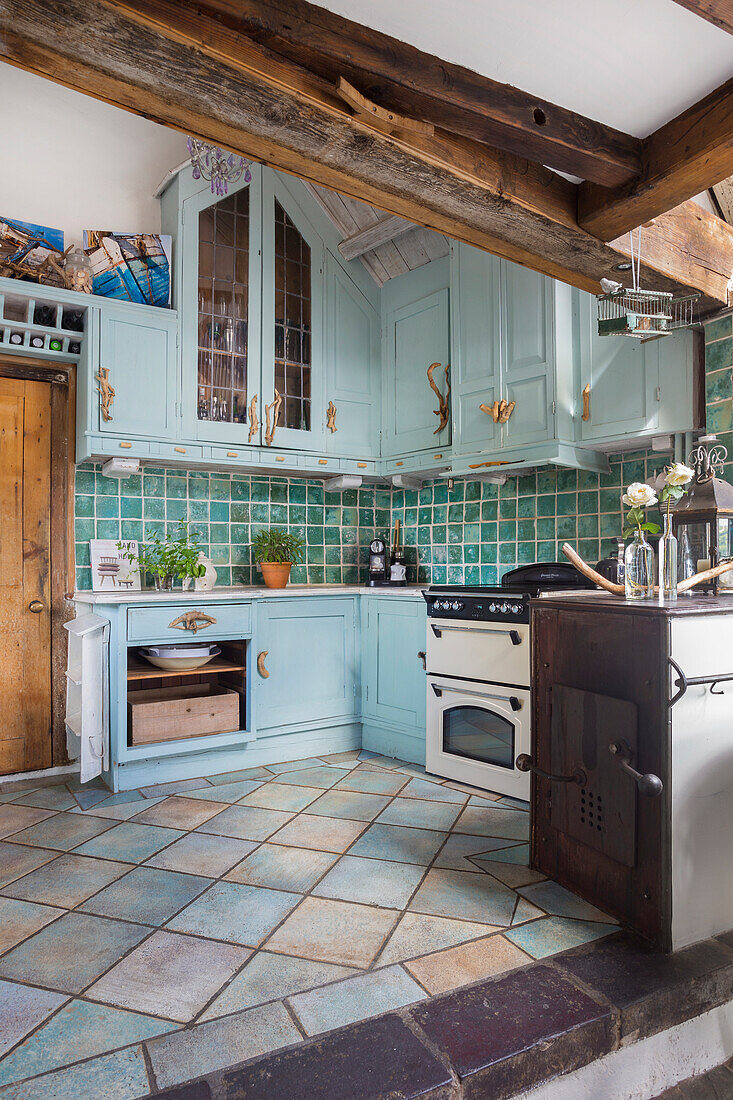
393	677
352	366
220	306
309	647
623	376
528	354
415	336
292	322
476	349
137	345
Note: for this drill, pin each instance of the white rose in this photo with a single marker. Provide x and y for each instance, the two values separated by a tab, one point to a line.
679	474
639	495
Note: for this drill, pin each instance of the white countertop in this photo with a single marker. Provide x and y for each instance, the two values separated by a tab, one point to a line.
227	594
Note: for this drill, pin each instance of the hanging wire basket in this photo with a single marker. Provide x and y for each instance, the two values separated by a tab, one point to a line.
643	314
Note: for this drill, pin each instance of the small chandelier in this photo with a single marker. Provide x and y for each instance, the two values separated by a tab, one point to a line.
215	165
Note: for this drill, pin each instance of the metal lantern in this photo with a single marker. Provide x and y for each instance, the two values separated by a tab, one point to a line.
703	518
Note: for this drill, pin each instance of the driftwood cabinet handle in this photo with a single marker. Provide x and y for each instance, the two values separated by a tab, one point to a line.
421	656
193	621
105	391
331	417
586	403
261	664
272	415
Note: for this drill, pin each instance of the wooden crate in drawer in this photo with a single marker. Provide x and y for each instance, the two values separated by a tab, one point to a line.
174	713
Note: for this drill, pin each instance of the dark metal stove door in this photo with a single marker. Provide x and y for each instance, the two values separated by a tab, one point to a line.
602	813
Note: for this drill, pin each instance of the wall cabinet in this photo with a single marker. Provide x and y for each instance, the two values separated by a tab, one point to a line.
635	388
305	668
137	345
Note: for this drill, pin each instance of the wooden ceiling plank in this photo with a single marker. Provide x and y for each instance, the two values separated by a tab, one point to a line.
383	230
683	158
452	186
717	12
400	77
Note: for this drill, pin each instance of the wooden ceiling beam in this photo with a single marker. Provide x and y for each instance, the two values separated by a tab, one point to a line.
717	12
174	66
400	77
681	159
372	236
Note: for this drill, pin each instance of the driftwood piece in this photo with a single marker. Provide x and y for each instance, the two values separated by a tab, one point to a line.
105	391
272	414
619	589
500	411
253	421
193	621
331	417
442	410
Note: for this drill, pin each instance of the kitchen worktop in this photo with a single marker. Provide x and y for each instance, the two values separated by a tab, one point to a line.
698	604
227	594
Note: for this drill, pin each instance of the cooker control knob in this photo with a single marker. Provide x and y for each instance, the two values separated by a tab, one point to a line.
456	605
493	608
516	608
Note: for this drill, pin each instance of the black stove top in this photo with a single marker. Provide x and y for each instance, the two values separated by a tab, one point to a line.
505	602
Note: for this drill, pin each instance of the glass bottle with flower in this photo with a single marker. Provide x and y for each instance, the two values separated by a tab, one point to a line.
639	556
676	477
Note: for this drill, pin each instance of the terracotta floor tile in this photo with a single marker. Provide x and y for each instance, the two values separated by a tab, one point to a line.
420	814
180	813
15	860
281	796
398	843
355	805
62	831
170	975
468	963
372	781
23	1008
355	999
20	919
314	777
147	894
52	798
328	834
334	931
474	897
458	848
13	818
493	820
432	792
236	913
68	881
418	933
130	842
283	868
176	787
546	937
557	900
371	882
226	792
202	854
267	977
246	822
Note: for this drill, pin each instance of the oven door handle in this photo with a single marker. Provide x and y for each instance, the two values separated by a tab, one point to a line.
512	700
514	636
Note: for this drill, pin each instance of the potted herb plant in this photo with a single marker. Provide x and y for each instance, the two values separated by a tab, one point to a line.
276	550
169	557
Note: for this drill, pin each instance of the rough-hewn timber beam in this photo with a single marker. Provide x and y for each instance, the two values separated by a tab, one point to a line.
717	12
386	229
398	76
170	64
681	159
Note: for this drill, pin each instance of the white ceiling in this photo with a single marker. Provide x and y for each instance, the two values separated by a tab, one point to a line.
632	64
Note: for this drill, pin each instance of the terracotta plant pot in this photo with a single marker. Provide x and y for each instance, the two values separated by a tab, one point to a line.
275	574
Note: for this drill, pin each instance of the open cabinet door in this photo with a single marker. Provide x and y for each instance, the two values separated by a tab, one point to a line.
293	413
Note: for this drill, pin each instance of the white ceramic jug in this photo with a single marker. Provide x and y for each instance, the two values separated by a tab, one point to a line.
207	582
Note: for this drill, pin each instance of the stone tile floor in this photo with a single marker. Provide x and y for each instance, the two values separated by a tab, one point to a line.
153	936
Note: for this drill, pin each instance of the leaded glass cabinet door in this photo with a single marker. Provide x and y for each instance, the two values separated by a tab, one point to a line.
221	276
293	412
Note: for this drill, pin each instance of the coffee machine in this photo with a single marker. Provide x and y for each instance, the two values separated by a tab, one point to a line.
379	563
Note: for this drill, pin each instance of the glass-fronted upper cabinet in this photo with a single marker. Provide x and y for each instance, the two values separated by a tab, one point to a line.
221	293
292	322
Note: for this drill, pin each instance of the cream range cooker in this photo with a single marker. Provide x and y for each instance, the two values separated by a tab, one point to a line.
478	664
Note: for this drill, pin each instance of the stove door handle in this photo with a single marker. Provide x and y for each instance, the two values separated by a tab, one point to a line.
524	763
649	784
514	702
514	636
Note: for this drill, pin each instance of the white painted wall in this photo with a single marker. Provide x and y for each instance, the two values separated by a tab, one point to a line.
73	163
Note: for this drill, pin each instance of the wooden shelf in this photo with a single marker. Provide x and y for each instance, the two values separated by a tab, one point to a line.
139	670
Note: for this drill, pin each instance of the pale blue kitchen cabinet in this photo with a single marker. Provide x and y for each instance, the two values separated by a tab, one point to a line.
305	671
352	366
393	675
634	388
137	346
415	334
512	342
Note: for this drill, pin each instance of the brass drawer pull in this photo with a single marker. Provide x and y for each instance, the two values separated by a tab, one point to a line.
361	465
261	664
105	391
279	458
36	606
232	454
180	450
193	621
323	462
127	445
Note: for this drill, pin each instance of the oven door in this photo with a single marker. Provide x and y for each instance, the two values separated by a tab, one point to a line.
479	651
475	731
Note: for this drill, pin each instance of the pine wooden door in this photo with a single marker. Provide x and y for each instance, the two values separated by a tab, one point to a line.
25	581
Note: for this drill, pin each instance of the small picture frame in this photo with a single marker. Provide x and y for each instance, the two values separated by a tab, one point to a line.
112	571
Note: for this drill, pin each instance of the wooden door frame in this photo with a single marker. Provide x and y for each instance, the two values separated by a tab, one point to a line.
62	568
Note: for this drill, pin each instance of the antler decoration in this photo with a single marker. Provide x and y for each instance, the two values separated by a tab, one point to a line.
442	410
619	590
272	413
499	411
105	391
331	417
253	421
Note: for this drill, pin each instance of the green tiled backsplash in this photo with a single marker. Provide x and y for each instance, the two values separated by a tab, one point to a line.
470	534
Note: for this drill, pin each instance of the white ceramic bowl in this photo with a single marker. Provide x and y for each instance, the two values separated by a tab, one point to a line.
180	658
